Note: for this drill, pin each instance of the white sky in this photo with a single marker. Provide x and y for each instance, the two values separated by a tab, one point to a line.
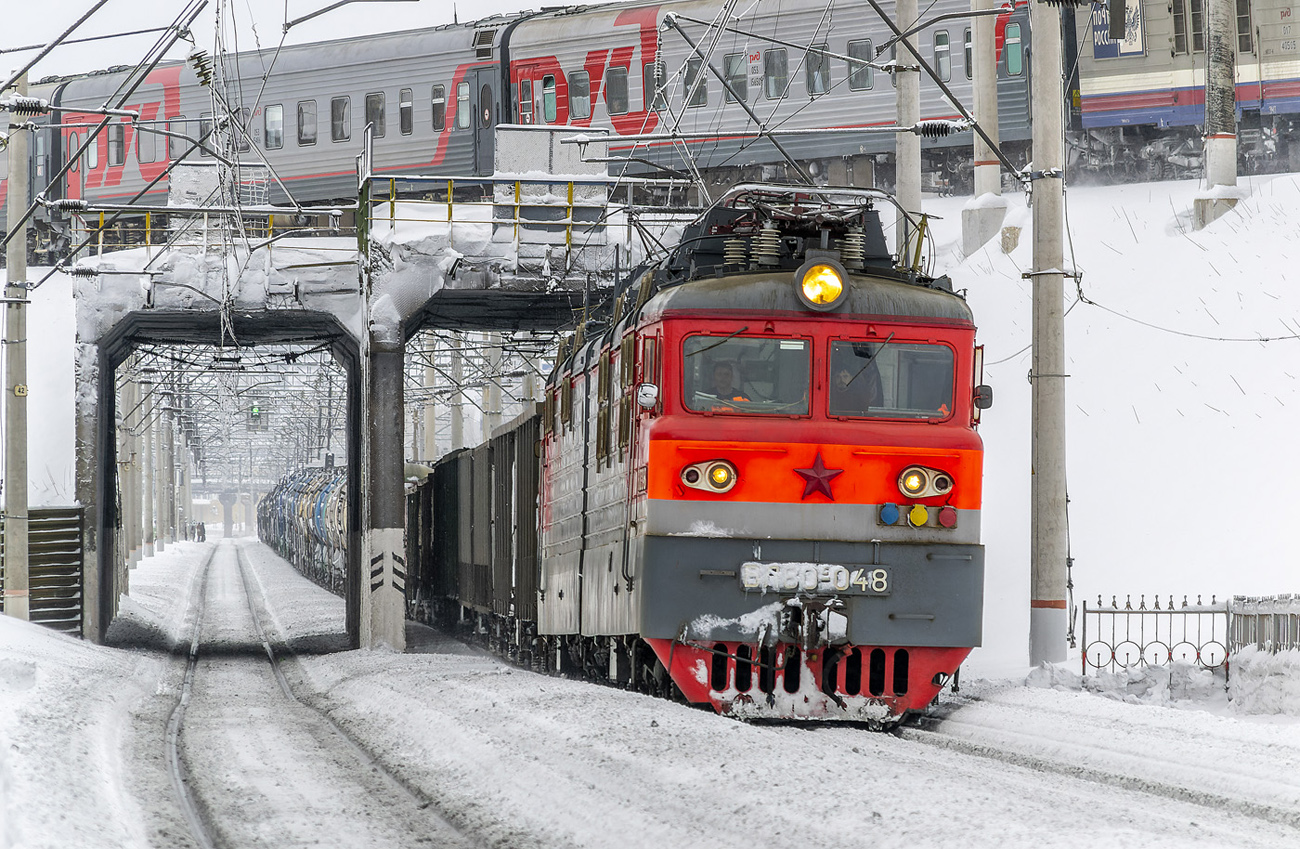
255	21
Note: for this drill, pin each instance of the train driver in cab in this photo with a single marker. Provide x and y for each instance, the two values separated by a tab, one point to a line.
855	386
726	383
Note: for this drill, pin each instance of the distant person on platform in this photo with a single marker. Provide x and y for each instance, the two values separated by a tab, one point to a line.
202	532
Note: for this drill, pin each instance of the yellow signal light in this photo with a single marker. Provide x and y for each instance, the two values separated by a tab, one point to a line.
820	284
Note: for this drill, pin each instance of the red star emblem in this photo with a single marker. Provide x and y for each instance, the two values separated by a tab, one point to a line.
818	478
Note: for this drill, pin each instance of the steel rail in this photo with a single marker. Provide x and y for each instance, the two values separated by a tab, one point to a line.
180	781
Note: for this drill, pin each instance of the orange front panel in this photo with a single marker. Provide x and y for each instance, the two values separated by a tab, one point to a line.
766	472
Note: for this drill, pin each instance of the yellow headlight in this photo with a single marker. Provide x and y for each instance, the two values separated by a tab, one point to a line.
822	284
913	482
720	476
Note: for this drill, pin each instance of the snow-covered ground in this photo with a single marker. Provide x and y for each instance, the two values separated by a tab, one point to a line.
515	759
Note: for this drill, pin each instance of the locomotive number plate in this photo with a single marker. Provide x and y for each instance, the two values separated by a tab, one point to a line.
814	578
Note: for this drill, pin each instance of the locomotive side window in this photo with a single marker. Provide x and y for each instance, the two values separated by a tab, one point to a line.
735	67
745	375
579	95
116	144
273	127
1198	26
1180	26
968	53
146	145
462	106
375	113
696	90
775	77
438	99
616	90
306	122
406	111
894	381
1014	53
860	74
548	98
1243	27
817	71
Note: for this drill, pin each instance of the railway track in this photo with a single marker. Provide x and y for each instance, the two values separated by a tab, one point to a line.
252	763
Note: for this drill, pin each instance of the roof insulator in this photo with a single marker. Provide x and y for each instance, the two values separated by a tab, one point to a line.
22	105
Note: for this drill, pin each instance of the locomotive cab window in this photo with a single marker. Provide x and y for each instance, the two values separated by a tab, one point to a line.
891	380
745	375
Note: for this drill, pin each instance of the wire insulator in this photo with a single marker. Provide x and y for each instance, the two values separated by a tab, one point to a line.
734	252
81	271
202	66
22	105
68	205
853	249
767	247
937	129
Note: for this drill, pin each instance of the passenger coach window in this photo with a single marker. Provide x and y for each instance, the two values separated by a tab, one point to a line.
817	71
146	144
696	89
273	127
177	144
1015	58
548	98
116	144
860	53
206	136
439	101
651	96
306	122
893	381
616	91
775	78
341	119
243	118
525	101
405	111
375	114
968	54
579	95
462	106
745	375
942	55
735	67
74	141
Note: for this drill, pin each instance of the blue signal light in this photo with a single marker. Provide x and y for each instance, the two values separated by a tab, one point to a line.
889	514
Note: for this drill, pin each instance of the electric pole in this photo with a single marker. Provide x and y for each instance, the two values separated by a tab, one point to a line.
17	587
1049	546
907	157
1220	110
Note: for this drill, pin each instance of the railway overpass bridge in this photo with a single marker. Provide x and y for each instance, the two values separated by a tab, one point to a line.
526	253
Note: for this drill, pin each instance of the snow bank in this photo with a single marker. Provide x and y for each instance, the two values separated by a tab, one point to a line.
1180	684
1264	683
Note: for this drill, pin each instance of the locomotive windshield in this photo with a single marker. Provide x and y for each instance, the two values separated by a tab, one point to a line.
890	380
742	374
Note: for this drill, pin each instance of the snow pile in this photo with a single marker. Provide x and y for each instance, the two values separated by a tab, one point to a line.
1264	683
1180	684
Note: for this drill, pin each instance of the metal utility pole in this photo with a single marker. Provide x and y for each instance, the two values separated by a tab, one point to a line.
146	461
430	406
1220	110
457	401
907	158
17	587
982	219
1048	615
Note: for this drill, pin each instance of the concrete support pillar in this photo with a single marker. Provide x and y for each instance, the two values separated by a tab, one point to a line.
147	465
1049	538
169	444
161	471
457	400
383	567
907	172
430	406
492	406
1220	114
982	217
16	587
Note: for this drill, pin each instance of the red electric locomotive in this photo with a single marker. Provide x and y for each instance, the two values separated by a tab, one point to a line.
763	481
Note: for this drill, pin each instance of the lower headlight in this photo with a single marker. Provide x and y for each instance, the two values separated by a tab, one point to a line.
710	476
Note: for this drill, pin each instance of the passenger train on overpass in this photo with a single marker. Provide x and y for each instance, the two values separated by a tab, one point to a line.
434	97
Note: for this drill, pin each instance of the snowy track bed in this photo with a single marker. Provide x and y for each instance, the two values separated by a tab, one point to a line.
265	769
1247	766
